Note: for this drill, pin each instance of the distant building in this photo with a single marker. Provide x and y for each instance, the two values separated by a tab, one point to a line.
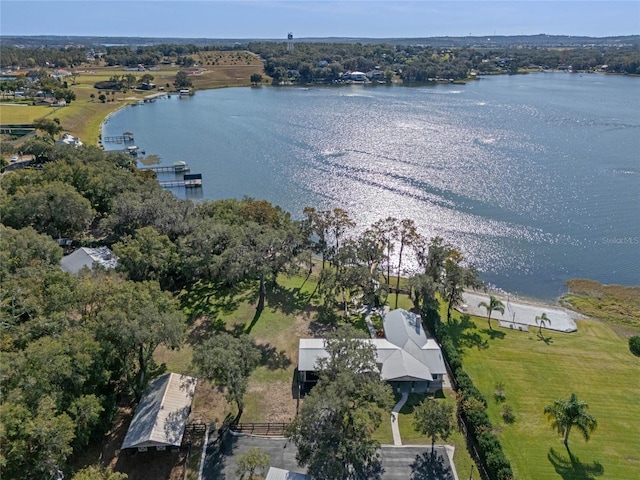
68	139
88	257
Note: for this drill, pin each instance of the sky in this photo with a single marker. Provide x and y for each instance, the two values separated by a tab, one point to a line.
239	19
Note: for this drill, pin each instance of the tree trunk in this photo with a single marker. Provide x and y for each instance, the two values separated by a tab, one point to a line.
389	266
263	292
141	374
398	273
566	437
489	320
449	308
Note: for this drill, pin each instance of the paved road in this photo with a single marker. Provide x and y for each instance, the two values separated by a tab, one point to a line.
399	463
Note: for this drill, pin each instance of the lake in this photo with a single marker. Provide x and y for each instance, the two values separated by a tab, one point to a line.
536	178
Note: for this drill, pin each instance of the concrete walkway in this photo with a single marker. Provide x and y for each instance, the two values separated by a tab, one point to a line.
397	440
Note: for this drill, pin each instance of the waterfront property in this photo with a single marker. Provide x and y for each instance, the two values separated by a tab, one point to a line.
406	357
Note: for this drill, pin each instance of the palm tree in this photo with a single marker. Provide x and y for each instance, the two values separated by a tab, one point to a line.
493	305
542	321
565	414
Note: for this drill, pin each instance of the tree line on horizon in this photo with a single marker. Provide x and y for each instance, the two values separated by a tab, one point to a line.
324	62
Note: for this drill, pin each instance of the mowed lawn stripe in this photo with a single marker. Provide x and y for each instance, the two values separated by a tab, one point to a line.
596	364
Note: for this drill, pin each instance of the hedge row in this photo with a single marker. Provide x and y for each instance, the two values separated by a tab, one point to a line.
472	406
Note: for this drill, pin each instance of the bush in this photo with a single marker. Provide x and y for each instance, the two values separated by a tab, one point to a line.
634	345
499	392
507	414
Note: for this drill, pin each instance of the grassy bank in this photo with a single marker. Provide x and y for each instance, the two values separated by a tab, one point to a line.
594	362
83	116
615	304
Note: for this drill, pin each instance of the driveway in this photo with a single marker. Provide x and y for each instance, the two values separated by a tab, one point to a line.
399	463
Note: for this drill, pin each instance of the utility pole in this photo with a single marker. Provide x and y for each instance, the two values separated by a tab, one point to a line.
471	474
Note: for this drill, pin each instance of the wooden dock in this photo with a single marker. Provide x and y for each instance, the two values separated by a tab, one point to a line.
126	137
180	168
189	181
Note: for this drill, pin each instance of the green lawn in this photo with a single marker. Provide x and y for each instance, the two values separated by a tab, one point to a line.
595	363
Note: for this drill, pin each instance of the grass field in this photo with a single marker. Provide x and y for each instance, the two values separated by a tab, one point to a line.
83	116
595	363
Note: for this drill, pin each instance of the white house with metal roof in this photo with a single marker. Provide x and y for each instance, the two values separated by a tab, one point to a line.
88	257
161	416
405	355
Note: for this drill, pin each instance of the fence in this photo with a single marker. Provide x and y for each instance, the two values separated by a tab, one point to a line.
266	429
471	443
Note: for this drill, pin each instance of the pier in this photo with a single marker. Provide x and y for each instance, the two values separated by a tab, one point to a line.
126	137
190	181
178	167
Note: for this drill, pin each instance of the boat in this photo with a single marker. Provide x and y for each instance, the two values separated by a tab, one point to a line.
185	91
180	166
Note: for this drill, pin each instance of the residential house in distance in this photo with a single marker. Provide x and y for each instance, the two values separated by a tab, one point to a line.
405	356
88	257
68	139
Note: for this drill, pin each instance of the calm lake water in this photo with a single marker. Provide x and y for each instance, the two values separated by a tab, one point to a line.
535	177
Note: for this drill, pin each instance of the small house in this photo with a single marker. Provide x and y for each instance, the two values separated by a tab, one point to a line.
161	416
88	257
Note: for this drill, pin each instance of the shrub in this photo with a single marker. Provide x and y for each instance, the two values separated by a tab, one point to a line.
507	414
499	392
634	345
488	443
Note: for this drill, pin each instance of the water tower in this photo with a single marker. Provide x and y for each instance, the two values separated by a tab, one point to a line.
290	42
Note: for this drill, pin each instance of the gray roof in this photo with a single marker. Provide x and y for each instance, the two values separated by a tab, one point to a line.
405	355
162	414
280	474
87	257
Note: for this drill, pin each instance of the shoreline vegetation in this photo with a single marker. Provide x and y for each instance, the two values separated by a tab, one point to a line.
616	305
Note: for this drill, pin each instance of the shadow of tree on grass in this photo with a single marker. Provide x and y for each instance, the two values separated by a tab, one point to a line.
572	468
547	340
288	300
212	299
473	339
272	358
495	334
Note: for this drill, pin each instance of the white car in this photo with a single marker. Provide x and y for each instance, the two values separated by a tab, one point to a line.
14	159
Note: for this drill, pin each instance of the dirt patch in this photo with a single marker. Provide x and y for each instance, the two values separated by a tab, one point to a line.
209	405
275	401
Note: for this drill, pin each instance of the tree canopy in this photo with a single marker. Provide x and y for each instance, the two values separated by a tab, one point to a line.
566	414
333	431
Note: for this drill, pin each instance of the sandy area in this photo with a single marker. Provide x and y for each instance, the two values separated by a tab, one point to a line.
518	311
